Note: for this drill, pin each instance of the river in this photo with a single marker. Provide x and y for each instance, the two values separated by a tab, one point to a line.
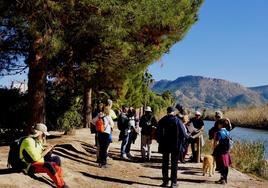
246	134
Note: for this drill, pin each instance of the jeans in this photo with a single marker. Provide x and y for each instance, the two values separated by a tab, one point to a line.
125	145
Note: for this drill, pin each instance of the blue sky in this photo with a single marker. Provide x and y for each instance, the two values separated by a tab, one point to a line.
230	41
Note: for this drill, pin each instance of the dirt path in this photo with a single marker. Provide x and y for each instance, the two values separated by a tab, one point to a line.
81	171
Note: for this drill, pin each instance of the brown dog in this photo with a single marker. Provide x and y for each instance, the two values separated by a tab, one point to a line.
209	165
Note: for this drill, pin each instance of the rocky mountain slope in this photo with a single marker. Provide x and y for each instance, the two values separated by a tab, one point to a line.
198	92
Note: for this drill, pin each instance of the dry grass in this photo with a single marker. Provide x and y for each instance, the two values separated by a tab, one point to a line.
253	117
249	157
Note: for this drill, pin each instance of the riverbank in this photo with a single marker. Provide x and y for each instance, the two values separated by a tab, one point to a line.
248	117
81	170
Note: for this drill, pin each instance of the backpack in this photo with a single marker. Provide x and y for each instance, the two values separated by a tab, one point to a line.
147	127
226	144
211	133
14	155
100	125
131	122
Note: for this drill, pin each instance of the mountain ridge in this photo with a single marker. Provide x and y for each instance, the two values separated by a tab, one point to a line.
198	91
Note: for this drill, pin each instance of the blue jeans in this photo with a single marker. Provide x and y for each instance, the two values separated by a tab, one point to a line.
125	146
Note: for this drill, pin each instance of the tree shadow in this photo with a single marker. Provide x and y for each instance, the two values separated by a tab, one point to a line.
110	179
44	180
63	152
41	178
70	148
88	147
179	179
9	171
191	172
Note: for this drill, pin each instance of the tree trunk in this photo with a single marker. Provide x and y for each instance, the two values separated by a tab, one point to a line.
87	106
36	88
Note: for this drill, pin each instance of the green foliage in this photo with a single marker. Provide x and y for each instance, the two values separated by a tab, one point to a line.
104	44
138	93
62	106
69	120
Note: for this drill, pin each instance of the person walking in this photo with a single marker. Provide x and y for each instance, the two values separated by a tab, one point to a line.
147	123
38	158
170	136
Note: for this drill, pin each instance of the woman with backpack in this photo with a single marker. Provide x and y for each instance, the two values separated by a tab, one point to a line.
221	149
104	125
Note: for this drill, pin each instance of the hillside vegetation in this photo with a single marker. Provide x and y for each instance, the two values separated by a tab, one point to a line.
202	92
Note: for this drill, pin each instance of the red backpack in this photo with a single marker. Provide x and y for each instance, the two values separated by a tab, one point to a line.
100	125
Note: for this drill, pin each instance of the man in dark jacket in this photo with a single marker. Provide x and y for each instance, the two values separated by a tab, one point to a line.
148	124
124	128
170	136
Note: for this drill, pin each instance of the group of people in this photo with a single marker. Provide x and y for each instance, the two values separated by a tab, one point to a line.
173	132
130	126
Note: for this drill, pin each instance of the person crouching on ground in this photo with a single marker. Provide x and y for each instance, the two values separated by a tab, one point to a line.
170	136
40	160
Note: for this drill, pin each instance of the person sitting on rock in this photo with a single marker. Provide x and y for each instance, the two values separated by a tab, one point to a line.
40	160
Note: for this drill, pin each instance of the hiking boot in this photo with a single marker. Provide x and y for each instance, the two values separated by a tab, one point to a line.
103	165
221	181
174	185
129	155
124	156
164	184
65	185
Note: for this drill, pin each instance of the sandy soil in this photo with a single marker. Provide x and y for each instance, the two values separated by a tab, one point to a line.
81	171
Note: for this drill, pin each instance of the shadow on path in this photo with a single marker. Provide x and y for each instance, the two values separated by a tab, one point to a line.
91	163
12	171
110	179
9	171
44	180
180	179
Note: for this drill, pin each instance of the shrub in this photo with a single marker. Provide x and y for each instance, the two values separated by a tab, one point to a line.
249	157
69	120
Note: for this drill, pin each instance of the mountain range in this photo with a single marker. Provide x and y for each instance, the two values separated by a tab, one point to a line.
199	92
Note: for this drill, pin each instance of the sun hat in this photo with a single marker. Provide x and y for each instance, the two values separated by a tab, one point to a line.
109	101
40	127
197	113
218	114
148	109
